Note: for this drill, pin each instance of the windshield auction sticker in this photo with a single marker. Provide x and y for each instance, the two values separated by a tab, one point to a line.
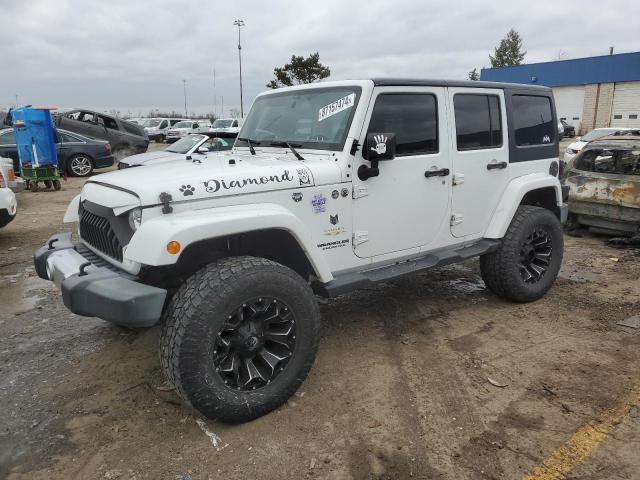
336	107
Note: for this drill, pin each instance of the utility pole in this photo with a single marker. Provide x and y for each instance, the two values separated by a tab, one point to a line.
240	23
184	88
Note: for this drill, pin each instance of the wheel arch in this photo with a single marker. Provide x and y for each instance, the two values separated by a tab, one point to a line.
540	190
266	230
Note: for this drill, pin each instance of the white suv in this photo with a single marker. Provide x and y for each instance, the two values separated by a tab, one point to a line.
8	203
186	127
331	187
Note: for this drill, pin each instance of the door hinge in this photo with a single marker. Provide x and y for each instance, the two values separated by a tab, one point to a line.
360	237
456	219
360	191
458	178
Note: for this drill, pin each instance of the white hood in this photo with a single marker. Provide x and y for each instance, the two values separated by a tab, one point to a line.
221	175
142	158
577	146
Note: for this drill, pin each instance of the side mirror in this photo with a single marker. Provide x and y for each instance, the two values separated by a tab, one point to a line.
380	146
203	150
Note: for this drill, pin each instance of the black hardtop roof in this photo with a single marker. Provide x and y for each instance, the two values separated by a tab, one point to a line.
422	82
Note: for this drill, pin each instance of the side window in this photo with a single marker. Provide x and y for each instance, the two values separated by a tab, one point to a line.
108	122
8	138
629	162
235	123
412	117
532	120
86	117
65	138
163	124
597	160
195	125
173	122
478	122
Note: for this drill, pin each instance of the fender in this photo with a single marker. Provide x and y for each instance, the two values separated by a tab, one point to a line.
190	227
71	215
513	195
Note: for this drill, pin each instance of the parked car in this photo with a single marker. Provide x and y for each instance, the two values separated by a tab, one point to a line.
137	121
330	188
156	128
222	126
126	138
604	185
77	155
568	130
575	147
196	144
186	127
8	203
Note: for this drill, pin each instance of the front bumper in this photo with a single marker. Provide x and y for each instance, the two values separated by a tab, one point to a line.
92	288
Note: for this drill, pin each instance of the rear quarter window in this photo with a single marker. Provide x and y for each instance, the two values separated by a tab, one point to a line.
532	120
132	129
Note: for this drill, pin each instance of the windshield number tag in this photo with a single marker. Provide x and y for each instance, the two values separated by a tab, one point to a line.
336	107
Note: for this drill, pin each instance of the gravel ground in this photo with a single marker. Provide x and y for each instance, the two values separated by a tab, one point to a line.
429	376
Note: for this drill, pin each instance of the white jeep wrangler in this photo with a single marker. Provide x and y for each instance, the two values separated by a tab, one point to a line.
330	187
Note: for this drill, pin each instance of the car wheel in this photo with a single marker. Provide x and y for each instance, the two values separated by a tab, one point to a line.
528	260
80	165
239	337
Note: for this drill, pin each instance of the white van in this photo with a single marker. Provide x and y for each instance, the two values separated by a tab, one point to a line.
185	127
156	128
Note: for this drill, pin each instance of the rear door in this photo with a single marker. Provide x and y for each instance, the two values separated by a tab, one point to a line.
480	151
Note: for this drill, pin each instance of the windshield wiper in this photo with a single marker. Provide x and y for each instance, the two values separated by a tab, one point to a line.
291	147
250	143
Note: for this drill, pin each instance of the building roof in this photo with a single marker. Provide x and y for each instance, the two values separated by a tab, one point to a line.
623	67
421	82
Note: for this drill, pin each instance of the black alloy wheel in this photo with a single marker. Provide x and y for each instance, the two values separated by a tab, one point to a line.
254	344
535	256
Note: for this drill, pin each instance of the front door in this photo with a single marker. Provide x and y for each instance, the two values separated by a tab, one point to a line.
402	209
480	153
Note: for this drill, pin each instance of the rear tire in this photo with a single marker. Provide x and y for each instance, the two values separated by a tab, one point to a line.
224	336
528	260
80	165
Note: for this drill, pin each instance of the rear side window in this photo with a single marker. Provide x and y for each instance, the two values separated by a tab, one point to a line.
532	120
478	122
108	122
8	138
412	117
132	129
629	162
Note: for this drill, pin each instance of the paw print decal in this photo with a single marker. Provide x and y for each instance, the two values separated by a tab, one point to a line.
187	190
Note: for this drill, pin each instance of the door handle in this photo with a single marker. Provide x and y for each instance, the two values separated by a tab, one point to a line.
496	166
443	172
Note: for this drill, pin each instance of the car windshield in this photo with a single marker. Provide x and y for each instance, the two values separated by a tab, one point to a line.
182	125
185	144
595	134
317	118
222	123
152	122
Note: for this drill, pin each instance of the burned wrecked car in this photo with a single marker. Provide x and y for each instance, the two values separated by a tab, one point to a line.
604	186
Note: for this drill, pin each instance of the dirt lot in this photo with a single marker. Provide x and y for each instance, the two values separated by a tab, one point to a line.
400	388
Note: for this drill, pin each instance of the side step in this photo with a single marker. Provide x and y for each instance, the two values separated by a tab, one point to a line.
355	280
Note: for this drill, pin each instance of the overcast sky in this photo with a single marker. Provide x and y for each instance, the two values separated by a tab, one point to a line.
132	55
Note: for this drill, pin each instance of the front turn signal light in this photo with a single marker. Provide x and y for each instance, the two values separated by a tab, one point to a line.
173	247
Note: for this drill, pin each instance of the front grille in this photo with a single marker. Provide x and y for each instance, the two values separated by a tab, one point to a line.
97	232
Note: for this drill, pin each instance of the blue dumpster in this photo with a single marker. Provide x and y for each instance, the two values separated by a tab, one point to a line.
36	143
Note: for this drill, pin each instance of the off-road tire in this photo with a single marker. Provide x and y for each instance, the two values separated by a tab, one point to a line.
195	316
500	270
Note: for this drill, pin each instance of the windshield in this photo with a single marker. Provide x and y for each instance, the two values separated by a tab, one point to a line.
152	122
317	119
222	123
595	134
182	125
185	144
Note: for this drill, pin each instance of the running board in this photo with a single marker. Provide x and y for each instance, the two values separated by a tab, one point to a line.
356	280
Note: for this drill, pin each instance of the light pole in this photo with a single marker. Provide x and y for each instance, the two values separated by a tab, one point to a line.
240	23
184	88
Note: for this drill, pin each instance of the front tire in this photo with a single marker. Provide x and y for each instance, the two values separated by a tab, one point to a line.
528	260
239	337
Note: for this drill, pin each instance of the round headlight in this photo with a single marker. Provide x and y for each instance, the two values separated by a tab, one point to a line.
135	218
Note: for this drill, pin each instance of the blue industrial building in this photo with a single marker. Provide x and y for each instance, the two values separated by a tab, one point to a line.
590	92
